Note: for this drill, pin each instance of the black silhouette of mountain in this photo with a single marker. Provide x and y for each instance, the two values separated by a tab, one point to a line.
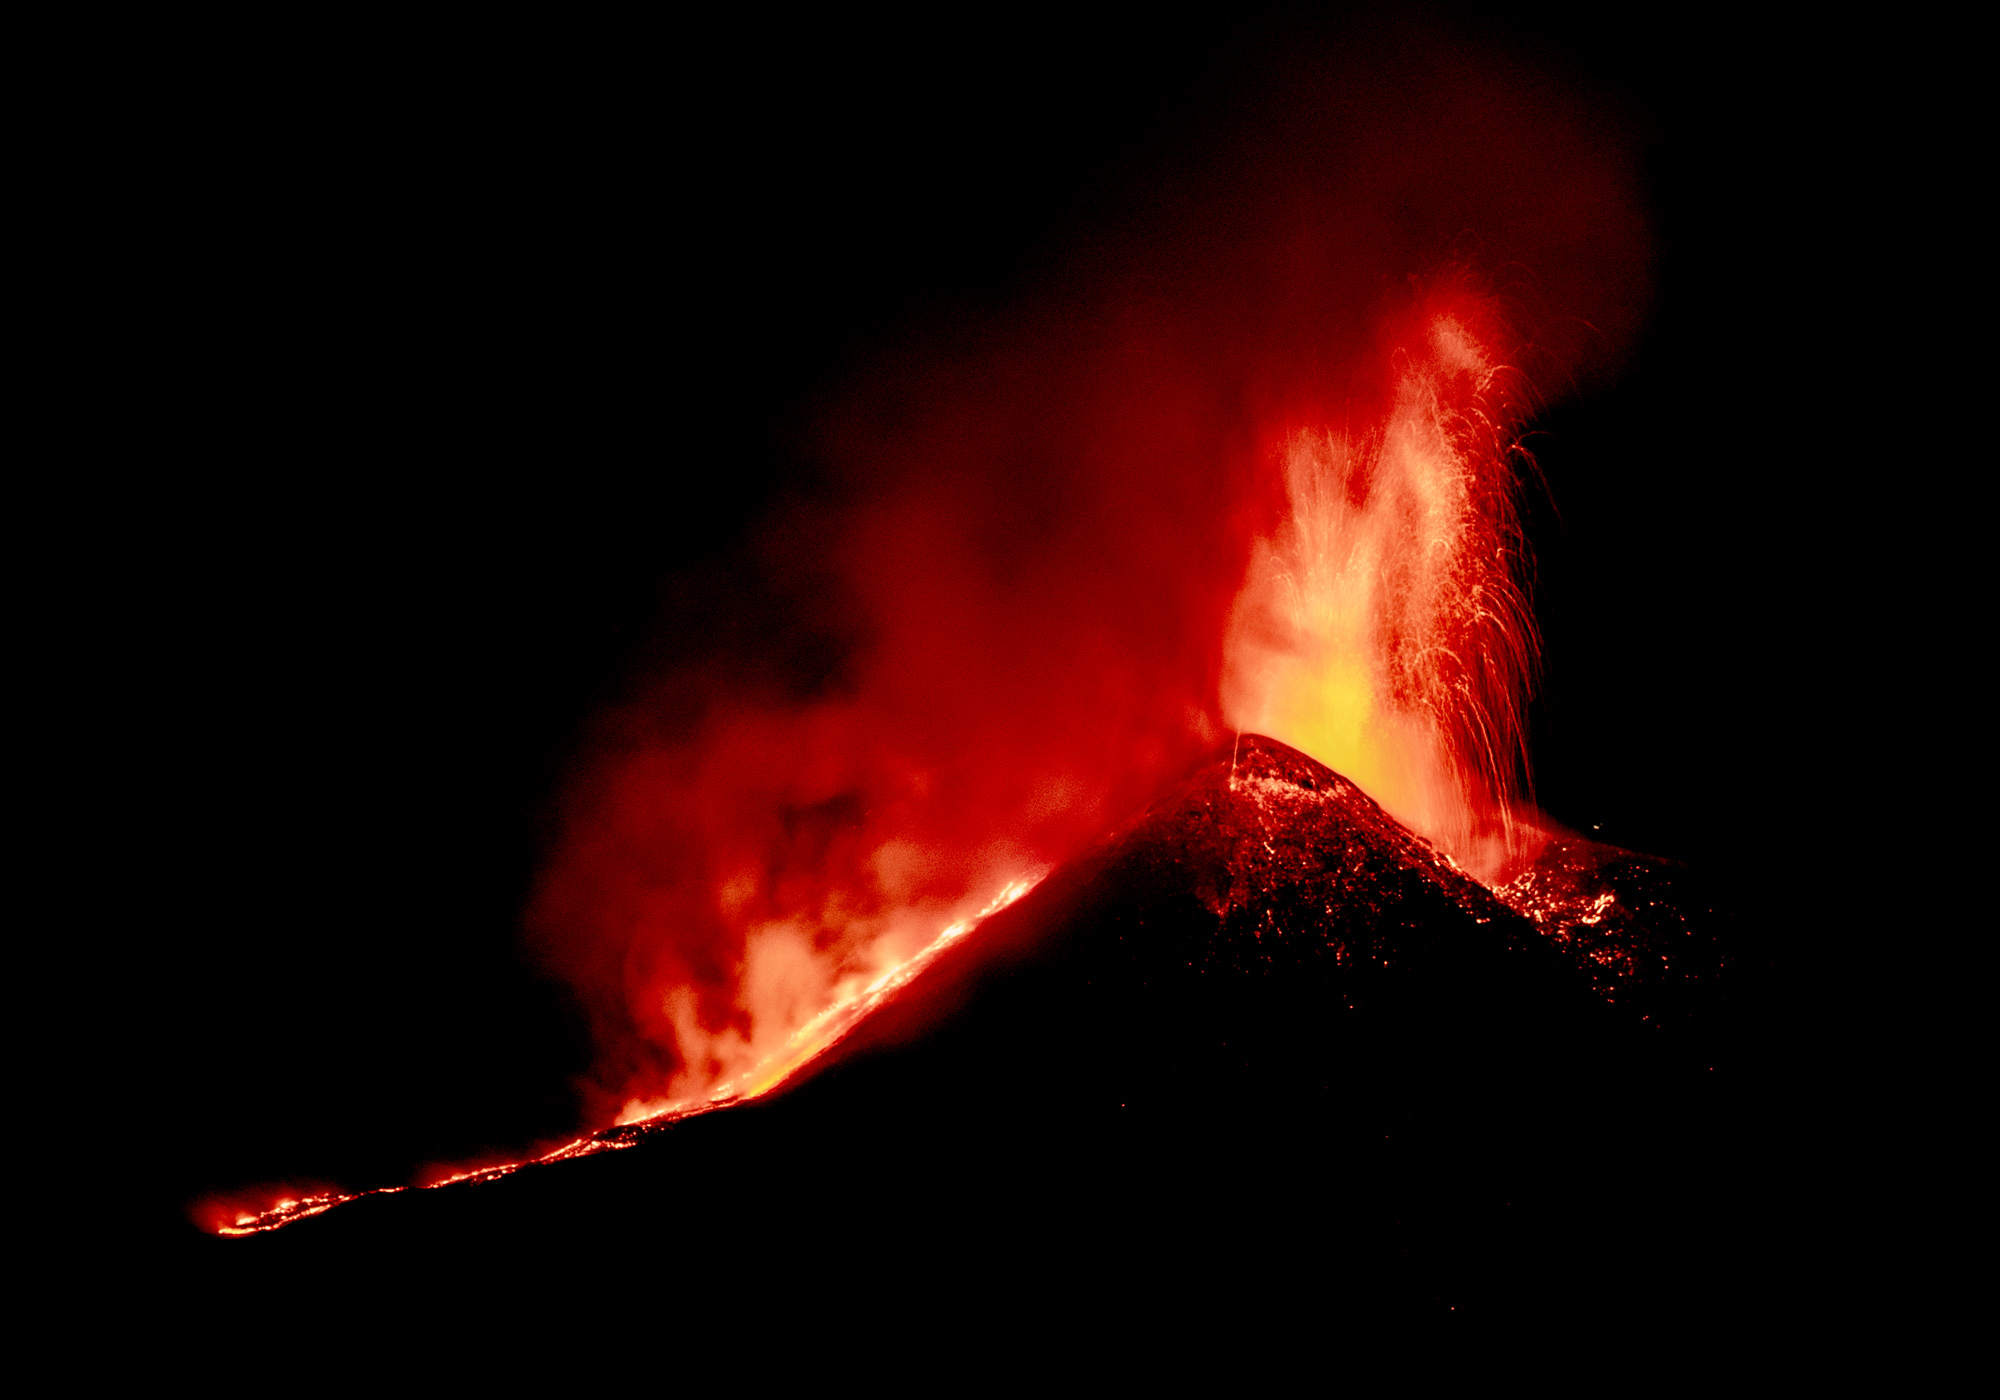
1262	1053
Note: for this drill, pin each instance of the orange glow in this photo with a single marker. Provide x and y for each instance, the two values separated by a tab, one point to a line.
252	1212
249	1212
765	1069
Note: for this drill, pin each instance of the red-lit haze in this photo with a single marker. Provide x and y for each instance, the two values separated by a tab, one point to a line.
1242	457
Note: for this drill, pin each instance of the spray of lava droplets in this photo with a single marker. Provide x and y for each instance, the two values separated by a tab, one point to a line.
1384	629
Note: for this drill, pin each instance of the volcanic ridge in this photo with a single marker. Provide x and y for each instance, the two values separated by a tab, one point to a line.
1260	1027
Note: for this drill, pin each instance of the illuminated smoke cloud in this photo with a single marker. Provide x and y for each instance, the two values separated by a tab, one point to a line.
1219	465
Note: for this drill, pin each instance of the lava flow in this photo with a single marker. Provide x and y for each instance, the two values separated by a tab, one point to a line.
1239	482
810	1041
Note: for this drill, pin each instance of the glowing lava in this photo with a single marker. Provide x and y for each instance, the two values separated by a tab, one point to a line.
250	1212
825	1029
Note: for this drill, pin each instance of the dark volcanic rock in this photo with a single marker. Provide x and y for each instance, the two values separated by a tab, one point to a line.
1639	928
1262	1049
1263	938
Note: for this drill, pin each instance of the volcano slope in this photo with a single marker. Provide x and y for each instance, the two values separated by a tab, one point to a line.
1262	1052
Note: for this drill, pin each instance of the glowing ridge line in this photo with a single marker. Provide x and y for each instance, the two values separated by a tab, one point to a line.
829	1027
805	1045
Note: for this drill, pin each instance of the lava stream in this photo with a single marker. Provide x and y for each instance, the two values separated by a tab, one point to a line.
249	1214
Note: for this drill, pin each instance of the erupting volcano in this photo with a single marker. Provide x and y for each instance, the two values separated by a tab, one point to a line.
1094	813
1204	953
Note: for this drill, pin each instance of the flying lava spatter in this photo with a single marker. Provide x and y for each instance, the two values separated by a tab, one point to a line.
1384	630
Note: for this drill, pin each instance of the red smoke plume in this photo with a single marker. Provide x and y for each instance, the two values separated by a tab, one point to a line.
1047	555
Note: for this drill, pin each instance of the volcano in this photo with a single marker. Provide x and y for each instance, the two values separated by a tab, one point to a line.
1261	1047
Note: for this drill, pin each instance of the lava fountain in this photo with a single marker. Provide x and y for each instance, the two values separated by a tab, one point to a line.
1384	630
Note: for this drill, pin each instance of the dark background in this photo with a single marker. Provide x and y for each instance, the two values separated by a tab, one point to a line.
448	371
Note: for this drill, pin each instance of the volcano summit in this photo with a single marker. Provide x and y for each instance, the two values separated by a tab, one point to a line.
1260	1028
